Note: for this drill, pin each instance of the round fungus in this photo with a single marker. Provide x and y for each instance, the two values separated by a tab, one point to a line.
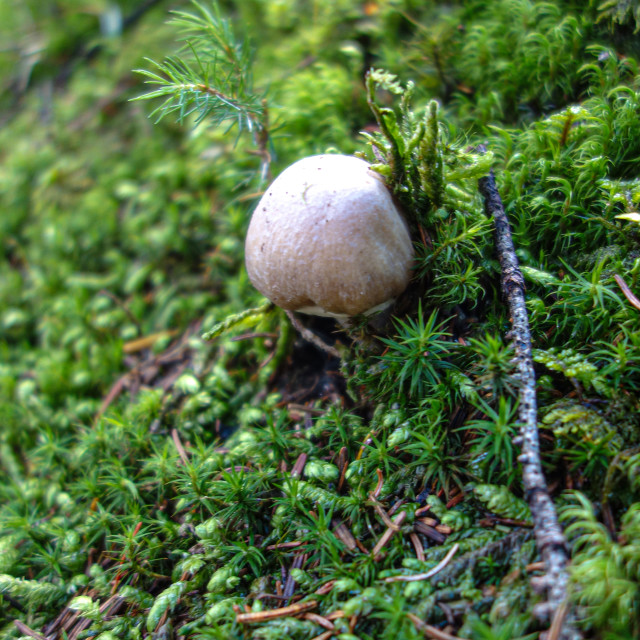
327	239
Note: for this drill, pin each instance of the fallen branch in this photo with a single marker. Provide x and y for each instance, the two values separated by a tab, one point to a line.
272	614
549	536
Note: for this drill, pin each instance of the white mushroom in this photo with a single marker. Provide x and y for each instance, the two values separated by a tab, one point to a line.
327	239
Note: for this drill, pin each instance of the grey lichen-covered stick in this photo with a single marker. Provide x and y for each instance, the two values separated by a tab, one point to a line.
549	536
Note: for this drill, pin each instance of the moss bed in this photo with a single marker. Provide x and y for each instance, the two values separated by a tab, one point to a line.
156	484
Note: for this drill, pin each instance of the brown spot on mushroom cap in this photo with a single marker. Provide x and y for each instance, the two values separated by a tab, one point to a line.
337	241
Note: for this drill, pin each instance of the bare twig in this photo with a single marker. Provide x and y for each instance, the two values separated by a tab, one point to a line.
430	532
628	294
272	614
311	337
432	572
292	406
334	615
290	583
388	534
384	516
549	536
429	631
27	631
343	464
325	588
345	536
286	545
559	617
323	622
298	467
378	489
181	450
417	545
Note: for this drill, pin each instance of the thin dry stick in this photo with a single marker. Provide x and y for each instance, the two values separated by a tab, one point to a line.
344	535
272	614
549	536
323	622
178	443
429	631
417	545
388	534
628	294
432	572
27	631
311	337
382	513
325	588
286	545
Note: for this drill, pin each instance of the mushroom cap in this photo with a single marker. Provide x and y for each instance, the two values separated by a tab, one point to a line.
326	238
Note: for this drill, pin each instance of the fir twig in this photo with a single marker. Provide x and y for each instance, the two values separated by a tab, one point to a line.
211	79
549	536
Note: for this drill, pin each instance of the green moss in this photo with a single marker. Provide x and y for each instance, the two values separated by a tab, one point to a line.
140	460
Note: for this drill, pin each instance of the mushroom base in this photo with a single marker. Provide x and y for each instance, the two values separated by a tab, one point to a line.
319	311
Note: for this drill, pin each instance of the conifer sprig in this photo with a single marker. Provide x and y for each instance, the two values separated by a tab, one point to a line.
210	77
